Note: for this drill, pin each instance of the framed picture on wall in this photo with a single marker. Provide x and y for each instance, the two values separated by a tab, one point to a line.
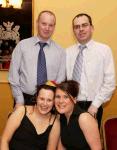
15	25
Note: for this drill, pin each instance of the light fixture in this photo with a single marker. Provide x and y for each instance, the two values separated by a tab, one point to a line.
11	3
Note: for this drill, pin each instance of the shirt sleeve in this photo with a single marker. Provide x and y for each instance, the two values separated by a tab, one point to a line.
109	82
14	74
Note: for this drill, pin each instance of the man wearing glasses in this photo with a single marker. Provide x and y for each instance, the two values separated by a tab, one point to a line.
91	64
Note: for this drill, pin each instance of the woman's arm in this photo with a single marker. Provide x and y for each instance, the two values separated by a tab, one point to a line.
12	124
60	145
89	126
54	136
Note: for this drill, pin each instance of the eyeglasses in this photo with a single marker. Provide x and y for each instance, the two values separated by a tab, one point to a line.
84	25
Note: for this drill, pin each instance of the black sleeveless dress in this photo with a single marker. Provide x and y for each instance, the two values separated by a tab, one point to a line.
26	137
72	136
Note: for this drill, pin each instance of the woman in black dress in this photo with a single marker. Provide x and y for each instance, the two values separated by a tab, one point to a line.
33	127
79	130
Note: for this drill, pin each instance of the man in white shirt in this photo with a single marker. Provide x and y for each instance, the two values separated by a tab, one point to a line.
23	74
97	79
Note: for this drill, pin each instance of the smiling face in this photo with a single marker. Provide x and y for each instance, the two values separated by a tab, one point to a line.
45	101
46	25
64	103
82	29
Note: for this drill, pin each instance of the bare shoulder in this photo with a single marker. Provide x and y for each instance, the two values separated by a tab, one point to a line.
29	109
15	117
86	119
18	111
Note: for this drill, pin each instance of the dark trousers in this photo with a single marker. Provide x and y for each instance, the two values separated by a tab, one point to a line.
28	99
85	105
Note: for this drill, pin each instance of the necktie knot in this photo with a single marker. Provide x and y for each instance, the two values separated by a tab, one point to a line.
42	45
82	47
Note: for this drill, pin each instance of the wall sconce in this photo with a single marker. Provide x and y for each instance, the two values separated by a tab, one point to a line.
11	3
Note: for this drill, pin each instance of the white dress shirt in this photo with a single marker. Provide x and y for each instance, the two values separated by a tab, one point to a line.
23	67
98	74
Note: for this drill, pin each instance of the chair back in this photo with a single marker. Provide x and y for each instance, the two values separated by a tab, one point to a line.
110	133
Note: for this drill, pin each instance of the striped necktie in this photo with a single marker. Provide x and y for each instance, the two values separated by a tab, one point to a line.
78	64
41	66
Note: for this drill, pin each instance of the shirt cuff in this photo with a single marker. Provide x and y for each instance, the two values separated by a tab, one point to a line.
19	99
97	103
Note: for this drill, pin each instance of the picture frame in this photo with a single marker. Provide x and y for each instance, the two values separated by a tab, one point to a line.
15	25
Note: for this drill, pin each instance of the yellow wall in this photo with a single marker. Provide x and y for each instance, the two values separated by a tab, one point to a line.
104	14
6	104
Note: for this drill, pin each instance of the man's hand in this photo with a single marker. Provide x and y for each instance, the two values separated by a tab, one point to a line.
93	110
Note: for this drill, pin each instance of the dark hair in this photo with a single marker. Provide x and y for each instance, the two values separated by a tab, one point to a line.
71	87
47	87
48	12
83	14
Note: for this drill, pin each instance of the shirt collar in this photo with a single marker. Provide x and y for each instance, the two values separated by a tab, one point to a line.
88	44
37	40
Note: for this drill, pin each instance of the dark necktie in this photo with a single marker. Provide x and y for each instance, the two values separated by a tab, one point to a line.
78	64
41	66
